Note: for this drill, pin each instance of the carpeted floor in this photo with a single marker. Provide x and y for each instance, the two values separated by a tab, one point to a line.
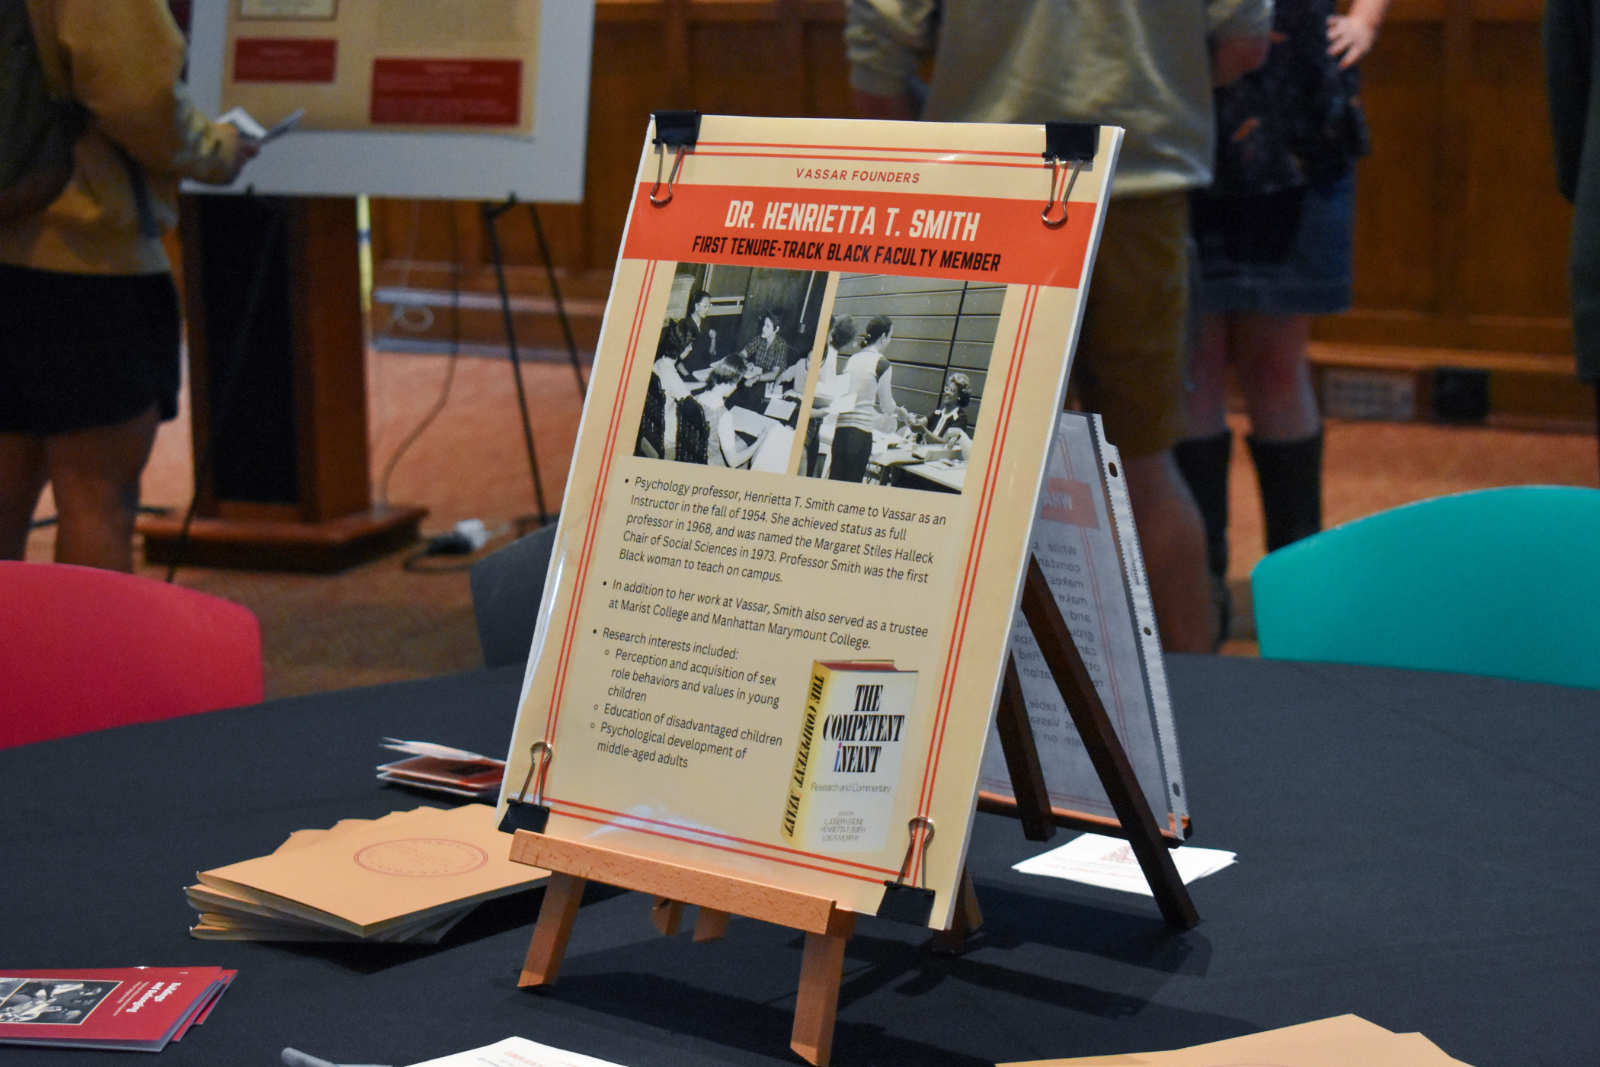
384	621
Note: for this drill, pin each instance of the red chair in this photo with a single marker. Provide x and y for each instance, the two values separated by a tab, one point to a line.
83	649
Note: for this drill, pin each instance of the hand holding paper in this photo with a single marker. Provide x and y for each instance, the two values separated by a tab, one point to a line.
247	124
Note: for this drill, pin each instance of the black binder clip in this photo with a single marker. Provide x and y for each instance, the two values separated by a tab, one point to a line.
522	813
677	130
1066	144
904	903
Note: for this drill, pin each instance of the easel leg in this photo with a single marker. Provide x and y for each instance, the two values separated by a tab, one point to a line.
490	214
666	914
1104	749
817	1006
1022	758
710	924
555	294
562	895
968	918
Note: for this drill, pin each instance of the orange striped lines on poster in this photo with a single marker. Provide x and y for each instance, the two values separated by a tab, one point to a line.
821	405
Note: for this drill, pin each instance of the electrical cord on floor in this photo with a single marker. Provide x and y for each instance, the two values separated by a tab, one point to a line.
467	538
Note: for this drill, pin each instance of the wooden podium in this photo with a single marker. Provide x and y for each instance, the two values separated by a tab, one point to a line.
277	354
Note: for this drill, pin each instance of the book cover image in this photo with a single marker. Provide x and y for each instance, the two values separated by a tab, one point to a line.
851	745
136	1008
51	1001
816	430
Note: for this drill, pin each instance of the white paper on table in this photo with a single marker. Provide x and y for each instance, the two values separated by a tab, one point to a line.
429	748
1109	862
516	1052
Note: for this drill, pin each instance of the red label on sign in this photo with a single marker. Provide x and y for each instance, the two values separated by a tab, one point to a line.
862	231
447	92
1067	500
284	59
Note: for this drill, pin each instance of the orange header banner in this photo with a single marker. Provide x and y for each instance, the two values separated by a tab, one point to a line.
863	232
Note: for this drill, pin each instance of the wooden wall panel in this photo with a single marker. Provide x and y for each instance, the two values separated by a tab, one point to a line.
1506	274
1461	237
1397	222
1460	234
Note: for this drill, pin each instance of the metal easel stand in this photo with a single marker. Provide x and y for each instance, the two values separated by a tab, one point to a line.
491	215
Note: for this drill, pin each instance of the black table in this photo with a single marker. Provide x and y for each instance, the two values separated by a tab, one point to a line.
1415	848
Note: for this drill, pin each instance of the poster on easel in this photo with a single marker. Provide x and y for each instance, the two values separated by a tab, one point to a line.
470	100
778	611
469	66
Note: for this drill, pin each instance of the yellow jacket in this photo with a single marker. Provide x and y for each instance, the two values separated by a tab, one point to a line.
123	61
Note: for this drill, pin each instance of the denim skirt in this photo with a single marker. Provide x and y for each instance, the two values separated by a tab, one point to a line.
1285	253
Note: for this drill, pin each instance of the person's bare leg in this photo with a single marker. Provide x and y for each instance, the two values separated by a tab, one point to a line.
1205	454
1269	356
1174	552
22	475
95	477
1205	396
1285	441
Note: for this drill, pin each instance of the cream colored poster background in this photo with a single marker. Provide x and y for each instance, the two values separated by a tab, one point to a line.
584	695
367	30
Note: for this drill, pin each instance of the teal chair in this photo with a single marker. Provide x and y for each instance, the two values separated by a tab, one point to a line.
1502	582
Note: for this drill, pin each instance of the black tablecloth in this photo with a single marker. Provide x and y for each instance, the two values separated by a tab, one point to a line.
1415	848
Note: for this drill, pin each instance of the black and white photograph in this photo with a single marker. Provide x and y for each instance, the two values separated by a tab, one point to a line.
901	382
732	360
65	1002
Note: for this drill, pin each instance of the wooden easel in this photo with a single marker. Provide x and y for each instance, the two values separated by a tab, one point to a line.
1135	820
828	927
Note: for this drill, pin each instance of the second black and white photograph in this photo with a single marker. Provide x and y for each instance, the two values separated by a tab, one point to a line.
901	383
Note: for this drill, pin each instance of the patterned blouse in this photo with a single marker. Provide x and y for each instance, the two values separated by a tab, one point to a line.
771	356
1297	119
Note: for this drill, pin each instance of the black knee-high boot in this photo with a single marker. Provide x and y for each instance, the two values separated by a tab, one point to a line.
1203	462
1290	473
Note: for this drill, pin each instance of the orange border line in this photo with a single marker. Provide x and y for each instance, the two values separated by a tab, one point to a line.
985	511
963	600
559	685
867	148
930	767
713	833
876	159
734	851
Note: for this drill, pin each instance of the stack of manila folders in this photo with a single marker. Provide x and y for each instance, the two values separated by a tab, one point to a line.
1334	1042
406	877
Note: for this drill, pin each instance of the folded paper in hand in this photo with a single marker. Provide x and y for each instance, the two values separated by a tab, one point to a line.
248	125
